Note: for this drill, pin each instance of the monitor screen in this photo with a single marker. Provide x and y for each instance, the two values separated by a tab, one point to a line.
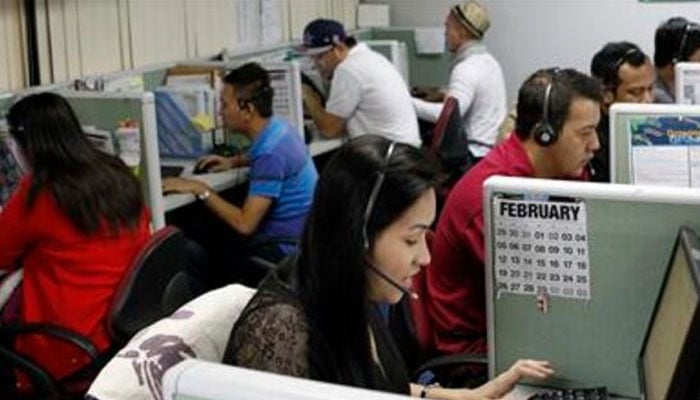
669	360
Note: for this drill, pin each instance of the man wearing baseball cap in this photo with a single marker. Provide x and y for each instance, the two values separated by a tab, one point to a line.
367	93
476	80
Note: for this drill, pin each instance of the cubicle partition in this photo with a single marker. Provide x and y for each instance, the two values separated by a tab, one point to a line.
201	380
573	272
106	111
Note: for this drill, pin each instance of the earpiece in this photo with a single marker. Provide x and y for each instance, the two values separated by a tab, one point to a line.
543	132
259	92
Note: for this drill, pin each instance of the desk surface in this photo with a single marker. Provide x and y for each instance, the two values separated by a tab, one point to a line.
319	144
218	181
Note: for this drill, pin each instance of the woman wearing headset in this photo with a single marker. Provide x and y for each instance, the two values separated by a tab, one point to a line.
364	240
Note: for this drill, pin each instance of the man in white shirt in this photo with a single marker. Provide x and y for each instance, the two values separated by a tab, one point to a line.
367	93
476	80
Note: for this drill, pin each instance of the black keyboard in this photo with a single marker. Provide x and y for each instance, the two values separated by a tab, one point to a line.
170	171
598	393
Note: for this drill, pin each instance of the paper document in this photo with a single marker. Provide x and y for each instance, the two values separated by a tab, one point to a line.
372	15
541	247
690	90
271	21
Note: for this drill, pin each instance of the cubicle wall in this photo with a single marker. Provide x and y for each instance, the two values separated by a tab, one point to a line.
655	144
106	111
619	243
201	380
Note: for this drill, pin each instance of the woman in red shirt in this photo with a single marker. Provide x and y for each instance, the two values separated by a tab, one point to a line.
74	225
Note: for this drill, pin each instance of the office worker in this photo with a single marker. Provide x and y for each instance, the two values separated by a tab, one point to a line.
315	317
476	80
627	76
676	40
367	93
67	227
282	177
555	137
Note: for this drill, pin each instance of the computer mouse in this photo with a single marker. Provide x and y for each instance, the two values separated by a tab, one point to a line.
200	168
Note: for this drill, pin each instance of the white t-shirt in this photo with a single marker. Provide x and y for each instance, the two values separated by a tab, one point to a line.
370	94
477	83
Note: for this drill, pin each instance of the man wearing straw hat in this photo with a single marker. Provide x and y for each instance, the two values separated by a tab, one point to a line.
476	80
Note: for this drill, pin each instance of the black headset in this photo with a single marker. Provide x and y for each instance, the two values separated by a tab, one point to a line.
259	92
687	30
543	132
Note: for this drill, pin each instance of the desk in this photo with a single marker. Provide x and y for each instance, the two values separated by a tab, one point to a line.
320	146
219	181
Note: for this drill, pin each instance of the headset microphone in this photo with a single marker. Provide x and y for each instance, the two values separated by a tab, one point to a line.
412	295
591	169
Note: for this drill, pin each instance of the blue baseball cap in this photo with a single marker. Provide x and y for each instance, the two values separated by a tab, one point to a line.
321	35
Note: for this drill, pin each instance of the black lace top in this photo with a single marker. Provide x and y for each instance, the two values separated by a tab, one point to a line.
272	334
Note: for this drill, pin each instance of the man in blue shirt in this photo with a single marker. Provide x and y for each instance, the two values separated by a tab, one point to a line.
282	175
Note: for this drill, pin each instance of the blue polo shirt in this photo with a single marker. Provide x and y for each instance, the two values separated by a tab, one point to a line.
281	169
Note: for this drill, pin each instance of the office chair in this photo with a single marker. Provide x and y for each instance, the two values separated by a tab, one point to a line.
449	146
411	327
264	256
199	329
154	286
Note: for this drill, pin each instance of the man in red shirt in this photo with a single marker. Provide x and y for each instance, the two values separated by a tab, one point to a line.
555	137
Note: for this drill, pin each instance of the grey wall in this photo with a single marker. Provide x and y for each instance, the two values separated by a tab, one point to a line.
529	34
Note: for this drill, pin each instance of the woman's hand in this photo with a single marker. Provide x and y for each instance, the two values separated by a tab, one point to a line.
531	369
504	383
495	388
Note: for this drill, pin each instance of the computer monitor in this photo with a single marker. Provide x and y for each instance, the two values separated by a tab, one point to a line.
655	144
201	380
670	359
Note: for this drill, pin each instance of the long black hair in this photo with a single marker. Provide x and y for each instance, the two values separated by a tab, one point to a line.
331	268
94	189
